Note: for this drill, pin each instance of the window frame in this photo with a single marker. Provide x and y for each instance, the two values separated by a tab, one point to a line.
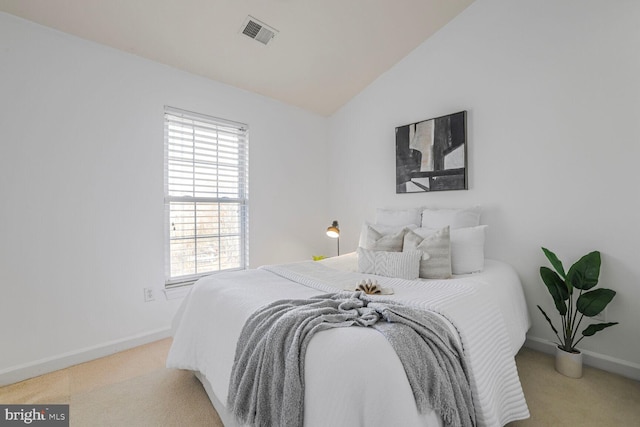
173	115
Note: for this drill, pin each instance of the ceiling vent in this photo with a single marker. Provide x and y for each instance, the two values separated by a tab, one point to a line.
258	30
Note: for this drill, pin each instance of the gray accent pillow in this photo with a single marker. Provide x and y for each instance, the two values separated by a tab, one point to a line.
403	265
382	229
378	241
438	246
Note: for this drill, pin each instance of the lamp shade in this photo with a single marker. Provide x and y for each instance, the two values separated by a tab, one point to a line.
333	230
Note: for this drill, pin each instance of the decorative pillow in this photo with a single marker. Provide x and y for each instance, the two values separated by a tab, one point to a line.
398	217
371	234
404	265
438	247
467	248
454	218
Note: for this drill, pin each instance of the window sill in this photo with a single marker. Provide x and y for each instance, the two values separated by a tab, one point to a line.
177	292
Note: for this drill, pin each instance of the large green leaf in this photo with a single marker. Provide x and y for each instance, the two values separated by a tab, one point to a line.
555	262
593	302
557	288
585	272
592	329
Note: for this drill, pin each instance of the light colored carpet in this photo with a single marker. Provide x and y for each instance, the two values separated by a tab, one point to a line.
166	397
598	399
132	389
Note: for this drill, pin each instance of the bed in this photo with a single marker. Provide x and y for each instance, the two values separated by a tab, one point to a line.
352	375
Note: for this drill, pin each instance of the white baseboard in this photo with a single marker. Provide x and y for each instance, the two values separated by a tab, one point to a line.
589	358
25	371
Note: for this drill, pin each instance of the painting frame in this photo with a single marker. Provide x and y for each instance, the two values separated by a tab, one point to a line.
431	155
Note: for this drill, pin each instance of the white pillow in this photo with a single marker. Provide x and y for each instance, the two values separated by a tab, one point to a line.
438	248
454	218
467	248
379	229
404	265
398	217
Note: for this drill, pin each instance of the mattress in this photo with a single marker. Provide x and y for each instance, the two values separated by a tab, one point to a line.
352	375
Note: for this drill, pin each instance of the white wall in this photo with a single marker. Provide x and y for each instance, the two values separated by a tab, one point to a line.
553	100
81	190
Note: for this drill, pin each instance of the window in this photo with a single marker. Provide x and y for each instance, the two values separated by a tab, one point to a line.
206	199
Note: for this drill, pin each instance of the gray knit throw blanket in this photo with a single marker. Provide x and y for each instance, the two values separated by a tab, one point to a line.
267	379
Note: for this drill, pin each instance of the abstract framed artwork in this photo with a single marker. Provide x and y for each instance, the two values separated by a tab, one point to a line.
431	155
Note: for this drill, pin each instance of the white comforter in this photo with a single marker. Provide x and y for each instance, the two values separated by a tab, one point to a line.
352	375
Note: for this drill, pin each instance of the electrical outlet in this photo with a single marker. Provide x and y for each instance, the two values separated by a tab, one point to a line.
602	316
149	295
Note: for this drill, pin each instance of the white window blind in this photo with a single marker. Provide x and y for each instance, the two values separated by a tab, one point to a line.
206	200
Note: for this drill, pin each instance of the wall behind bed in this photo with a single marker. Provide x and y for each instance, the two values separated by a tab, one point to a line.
552	94
81	189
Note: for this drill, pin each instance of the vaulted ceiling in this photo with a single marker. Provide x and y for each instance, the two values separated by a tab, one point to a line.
325	51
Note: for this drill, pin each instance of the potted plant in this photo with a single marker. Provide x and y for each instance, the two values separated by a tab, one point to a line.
582	277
